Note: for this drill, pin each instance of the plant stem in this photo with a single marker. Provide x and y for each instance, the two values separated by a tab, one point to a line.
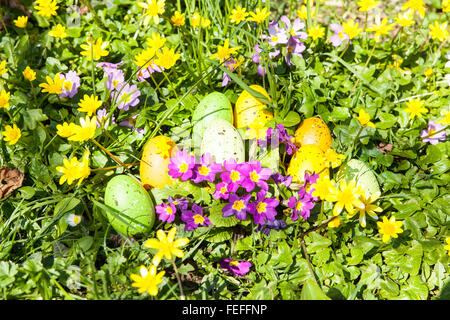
109	153
178	279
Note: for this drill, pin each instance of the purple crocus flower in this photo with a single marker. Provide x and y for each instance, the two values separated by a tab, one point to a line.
194	218
294	45
102	118
429	132
126	96
182	165
237	267
129	123
237	206
181	203
221	191
263	209
166	212
115	79
70	85
206	170
302	205
255	175
232	176
278	178
339	36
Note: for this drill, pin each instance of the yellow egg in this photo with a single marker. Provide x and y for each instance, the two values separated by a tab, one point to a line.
250	110
313	131
308	158
155	161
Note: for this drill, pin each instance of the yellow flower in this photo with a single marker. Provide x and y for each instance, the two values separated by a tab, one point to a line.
415	108
438	31
163	147
66	129
205	23
4	99
428	72
59	31
89	104
346	196
389	228
367	5
178	19
167	58
98	49
238	15
302	13
29	74
70	171
351	29
380	28
364	119
11	134
368	207
324	188
197	20
155	41
166	245
53	86
46	8
415	5
333	159
336	222
21	22
84	131
153	8
316	32
3	67
256	130
147	281
83	167
405	19
259	16
447	247
224	52
446	119
445	6
145	58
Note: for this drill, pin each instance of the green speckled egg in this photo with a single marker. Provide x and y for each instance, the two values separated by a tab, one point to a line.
222	140
127	196
213	106
361	173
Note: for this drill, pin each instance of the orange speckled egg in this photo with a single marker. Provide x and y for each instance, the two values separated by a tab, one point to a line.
250	110
313	131
307	158
155	161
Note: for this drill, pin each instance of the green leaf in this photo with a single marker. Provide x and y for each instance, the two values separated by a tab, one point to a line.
31	117
311	291
215	216
219	235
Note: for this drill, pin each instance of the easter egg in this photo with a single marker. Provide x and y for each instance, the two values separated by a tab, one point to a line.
269	158
223	142
313	131
155	161
361	173
250	110
132	211
213	106
308	158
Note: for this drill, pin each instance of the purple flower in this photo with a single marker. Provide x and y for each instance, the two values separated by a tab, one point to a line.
70	85
206	170
221	191
231	65
181	166
102	118
129	123
294	47
108	66
194	218
115	79
281	136
126	96
302	205
166	212
256	58
232	176
310	180
278	178
145	73
255	175
276	35
430	133
271	225
237	206
294	30
181	204
339	36
237	267
263	209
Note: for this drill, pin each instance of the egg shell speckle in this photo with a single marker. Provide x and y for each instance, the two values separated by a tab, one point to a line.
307	158
126	195
248	109
313	131
223	142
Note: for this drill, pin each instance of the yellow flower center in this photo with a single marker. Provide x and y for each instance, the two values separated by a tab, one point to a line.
115	83
169	210
223	190
274	38
199	219
298	206
254	176
238	205
234	263
67	85
235	175
261	207
204	170
183	167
